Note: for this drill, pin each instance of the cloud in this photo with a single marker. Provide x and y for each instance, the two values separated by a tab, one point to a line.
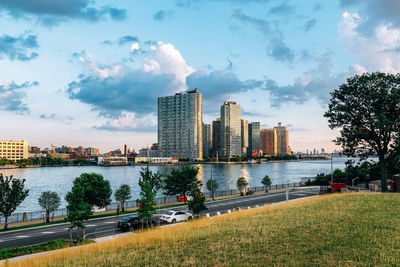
106	42
127	39
50	12
115	88
195	3
129	122
218	86
118	89
282	10
378	51
63	119
315	83
376	12
309	24
318	7
277	48
253	114
23	47
12	95
163	15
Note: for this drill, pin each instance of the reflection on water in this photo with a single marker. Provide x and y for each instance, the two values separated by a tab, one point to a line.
60	179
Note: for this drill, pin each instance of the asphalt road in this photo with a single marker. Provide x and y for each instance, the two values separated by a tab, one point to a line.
108	226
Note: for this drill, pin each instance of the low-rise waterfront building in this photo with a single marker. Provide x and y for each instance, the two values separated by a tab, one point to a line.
113	161
14	150
156	160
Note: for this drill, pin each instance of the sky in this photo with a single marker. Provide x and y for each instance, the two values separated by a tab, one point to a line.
88	72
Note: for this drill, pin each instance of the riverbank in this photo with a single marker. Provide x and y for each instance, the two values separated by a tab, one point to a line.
334	230
162	164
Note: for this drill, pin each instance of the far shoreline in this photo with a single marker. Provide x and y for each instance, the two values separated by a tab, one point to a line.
13	167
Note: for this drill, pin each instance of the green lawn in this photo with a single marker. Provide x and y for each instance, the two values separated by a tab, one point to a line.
333	230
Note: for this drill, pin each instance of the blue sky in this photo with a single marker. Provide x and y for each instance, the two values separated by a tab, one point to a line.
82	72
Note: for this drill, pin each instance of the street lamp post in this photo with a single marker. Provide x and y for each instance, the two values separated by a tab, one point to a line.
331	167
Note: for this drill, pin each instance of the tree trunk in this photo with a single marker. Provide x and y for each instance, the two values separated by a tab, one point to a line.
123	206
6	222
47	216
70	235
382	164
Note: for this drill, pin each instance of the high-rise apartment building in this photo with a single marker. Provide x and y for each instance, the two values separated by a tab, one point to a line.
216	138
207	140
231	129
268	142
180	123
282	136
14	150
254	139
245	136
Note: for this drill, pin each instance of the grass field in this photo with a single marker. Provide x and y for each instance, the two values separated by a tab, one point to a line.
331	230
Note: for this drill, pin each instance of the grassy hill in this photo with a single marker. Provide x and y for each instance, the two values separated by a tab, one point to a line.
338	229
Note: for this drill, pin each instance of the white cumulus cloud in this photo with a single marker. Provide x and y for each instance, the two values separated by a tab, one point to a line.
378	52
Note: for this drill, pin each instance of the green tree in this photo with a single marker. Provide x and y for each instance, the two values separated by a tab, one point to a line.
155	179
266	181
366	110
49	201
242	184
122	194
147	202
97	190
212	186
181	181
197	200
78	209
12	193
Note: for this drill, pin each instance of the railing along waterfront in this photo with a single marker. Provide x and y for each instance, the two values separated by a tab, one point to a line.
41	215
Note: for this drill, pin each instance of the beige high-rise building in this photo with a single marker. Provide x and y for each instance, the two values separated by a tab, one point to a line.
14	150
180	125
282	136
231	138
245	136
268	142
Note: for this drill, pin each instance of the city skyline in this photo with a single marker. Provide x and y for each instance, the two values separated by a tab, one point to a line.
64	81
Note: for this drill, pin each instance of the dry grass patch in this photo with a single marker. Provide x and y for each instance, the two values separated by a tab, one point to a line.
338	229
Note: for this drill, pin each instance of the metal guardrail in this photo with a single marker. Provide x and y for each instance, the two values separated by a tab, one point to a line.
100	232
41	215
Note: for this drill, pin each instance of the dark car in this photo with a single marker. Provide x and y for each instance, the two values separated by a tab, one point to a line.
129	222
133	223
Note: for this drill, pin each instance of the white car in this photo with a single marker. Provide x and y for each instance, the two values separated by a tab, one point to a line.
172	216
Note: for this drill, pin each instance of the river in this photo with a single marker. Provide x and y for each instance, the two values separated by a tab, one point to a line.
59	179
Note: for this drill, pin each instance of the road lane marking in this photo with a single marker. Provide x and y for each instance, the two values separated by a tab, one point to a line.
22	236
91	225
47	233
110	222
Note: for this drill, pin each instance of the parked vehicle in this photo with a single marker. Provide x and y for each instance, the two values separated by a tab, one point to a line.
250	192
176	216
129	222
